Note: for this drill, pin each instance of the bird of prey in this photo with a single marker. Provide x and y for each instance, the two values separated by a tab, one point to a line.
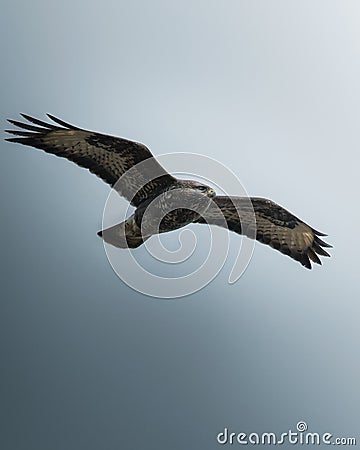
131	169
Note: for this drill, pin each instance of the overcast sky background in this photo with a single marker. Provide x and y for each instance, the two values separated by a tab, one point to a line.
271	89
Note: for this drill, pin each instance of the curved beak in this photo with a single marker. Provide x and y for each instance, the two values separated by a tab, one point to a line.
212	192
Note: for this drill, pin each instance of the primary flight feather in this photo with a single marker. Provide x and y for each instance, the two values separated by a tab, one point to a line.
131	169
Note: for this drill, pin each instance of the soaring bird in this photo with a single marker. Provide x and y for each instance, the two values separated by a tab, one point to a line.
163	202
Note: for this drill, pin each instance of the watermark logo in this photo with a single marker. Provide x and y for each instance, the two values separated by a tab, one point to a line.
300	436
165	267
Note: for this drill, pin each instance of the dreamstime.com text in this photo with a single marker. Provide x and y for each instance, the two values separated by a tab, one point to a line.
299	437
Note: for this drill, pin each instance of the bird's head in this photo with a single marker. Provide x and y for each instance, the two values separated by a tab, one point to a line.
198	187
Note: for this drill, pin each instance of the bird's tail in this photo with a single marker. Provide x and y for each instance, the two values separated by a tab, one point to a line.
123	235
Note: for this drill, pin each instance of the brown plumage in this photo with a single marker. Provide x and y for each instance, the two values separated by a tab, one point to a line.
130	168
106	156
273	225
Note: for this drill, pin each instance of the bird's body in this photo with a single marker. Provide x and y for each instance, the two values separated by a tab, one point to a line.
164	203
174	208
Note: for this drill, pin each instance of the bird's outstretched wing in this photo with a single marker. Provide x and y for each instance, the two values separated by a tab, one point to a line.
275	226
108	157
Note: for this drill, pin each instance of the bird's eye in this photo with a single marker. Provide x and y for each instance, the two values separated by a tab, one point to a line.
202	188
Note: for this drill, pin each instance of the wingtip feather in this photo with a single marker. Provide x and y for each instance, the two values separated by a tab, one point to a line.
61	122
313	256
38	122
17	140
20	133
322	243
318	233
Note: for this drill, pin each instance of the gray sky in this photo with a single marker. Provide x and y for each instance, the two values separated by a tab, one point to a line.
271	89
